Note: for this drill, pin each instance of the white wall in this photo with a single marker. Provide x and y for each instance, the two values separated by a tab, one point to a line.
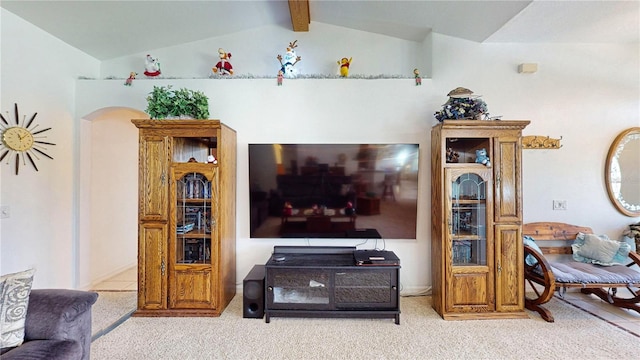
309	110
586	93
254	52
38	73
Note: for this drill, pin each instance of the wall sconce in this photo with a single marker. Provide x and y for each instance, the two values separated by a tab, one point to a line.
527	68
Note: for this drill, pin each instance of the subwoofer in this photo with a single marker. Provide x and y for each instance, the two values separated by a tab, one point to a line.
253	293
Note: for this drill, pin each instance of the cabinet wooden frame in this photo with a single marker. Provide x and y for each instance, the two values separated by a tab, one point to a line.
493	287
166	286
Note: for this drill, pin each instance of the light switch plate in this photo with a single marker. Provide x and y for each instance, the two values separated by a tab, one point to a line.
559	204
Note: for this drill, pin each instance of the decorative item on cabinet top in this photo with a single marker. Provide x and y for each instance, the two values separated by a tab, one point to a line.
540	142
165	103
463	104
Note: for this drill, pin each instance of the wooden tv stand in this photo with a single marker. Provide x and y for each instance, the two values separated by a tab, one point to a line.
310	281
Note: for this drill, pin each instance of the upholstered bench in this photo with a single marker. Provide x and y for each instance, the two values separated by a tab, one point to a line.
546	274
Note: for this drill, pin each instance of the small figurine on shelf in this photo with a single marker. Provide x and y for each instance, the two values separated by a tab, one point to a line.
416	73
288	61
452	156
287	210
223	66
132	76
280	77
152	66
349	210
482	157
344	66
212	159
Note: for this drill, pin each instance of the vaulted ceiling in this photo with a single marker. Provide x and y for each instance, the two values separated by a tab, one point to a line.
110	29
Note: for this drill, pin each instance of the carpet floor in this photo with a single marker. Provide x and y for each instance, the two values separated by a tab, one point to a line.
111	309
421	334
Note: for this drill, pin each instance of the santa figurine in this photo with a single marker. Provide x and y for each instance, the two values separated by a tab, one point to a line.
152	66
223	66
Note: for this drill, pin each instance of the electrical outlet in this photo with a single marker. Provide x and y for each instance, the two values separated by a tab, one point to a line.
5	212
559	204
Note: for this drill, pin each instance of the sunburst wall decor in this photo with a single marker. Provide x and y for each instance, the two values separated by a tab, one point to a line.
22	141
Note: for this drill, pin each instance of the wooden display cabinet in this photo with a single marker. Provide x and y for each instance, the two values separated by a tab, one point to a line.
476	244
186	246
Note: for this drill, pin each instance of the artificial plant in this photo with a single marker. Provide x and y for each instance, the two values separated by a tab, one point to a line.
163	103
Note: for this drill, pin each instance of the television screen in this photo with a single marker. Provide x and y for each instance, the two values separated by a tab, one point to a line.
333	190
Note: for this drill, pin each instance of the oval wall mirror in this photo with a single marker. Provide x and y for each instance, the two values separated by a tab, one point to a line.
622	172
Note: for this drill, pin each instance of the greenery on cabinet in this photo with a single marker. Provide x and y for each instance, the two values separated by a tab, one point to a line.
164	102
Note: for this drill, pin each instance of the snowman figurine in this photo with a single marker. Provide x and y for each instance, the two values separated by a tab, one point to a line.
288	61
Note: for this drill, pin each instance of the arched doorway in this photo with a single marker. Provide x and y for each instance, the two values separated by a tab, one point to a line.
107	193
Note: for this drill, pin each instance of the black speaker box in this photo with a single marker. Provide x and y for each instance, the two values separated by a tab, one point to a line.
253	293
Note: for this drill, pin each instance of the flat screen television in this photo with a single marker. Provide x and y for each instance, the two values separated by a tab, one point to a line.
333	190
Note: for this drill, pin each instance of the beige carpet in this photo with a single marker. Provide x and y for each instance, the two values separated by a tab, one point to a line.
111	309
421	334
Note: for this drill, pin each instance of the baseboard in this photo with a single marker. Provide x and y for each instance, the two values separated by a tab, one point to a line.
415	291
105	277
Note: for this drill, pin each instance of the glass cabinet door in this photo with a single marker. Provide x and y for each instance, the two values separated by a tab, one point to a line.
296	288
193	218
467	217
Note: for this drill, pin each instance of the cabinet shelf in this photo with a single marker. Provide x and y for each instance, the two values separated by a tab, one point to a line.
193	262
194	201
467	202
470	237
471	164
195	234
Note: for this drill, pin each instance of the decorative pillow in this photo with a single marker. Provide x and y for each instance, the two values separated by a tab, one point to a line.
14	299
599	249
631	241
529	241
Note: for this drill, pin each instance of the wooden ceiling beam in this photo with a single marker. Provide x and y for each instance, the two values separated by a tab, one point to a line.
300	17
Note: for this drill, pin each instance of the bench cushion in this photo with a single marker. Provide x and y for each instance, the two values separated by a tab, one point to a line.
581	273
